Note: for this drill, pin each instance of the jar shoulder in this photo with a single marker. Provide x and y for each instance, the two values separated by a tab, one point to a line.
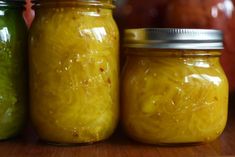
75	25
176	70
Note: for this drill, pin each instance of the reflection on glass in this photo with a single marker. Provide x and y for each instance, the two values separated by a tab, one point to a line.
98	33
4	35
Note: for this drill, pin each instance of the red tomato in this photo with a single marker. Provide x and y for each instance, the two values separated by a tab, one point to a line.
141	13
196	14
29	13
228	59
216	14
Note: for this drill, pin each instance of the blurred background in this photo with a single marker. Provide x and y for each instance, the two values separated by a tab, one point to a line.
216	14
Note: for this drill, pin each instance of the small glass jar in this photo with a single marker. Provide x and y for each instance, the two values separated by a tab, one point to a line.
13	84
74	71
174	90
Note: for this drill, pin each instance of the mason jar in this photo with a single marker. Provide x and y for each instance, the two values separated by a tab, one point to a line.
13	85
174	90
74	71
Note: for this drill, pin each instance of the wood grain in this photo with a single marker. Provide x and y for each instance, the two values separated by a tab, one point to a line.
120	146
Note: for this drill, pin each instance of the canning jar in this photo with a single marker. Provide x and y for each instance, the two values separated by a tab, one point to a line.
174	90
74	71
13	46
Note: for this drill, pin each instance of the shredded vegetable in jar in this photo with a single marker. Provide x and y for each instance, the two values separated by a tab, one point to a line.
74	82
172	96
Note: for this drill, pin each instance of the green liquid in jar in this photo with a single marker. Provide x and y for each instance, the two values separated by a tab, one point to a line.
13	39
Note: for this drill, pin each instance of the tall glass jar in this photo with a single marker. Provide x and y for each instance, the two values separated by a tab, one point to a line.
74	71
174	90
13	46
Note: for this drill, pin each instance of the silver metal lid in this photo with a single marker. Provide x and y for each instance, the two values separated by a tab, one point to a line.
169	38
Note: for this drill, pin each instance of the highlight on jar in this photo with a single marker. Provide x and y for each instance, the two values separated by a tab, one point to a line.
13	73
74	71
174	90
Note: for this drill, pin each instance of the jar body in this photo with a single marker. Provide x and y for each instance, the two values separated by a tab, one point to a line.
13	84
74	73
174	99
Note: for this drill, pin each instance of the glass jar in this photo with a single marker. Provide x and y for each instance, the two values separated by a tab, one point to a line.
74	71
13	46
174	90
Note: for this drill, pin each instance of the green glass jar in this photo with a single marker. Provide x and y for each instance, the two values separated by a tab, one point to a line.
13	39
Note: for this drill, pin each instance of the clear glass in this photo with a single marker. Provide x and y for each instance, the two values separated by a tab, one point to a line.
174	96
13	70
74	72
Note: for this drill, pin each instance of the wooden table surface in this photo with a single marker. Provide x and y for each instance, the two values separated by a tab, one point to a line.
121	146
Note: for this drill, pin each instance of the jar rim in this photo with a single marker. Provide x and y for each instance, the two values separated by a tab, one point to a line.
95	3
174	38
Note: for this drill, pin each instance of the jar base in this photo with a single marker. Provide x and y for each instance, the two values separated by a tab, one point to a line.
179	144
172	144
9	138
67	144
